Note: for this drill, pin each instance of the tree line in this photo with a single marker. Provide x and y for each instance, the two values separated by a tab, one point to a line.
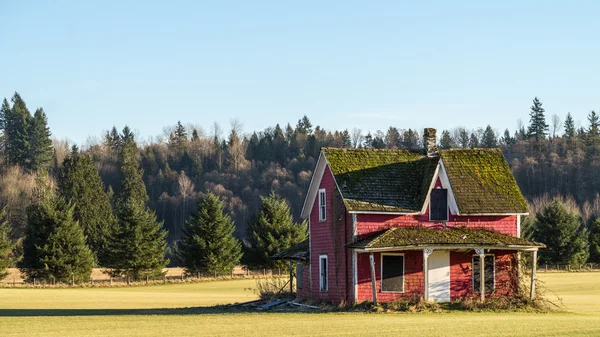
167	180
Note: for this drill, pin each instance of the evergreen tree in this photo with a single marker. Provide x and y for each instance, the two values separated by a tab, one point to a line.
54	246
463	138
594	240
392	138
79	184
560	230
410	140
446	141
271	230
17	122
593	132
40	143
538	128
507	140
569	127
5	245
473	141
137	245
346	139
489	139
207	244
4	111
179	138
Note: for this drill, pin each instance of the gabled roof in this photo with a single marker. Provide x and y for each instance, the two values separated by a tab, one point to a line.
382	180
457	237
482	182
398	181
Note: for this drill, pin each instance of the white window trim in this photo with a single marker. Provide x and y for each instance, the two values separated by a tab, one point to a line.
321	258
403	273
323	217
447	206
477	291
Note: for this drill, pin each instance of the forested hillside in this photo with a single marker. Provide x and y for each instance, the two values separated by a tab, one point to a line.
549	156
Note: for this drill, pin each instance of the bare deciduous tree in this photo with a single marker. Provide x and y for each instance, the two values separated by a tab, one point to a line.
357	137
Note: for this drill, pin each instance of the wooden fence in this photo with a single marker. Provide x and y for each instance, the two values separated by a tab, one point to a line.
171	275
568	267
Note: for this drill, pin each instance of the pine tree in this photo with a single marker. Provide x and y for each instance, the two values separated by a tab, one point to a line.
446	141
410	139
569	127
40	143
207	244
473	141
594	240
392	138
560	230
507	140
137	245
538	128
5	245
463	138
346	139
17	122
271	230
593	133
4	111
489	139
79	183
54	246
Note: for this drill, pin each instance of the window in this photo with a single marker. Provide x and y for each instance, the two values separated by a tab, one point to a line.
392	273
299	275
323	272
490	273
438	205
322	200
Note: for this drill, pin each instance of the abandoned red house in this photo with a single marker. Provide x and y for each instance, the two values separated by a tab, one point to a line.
386	224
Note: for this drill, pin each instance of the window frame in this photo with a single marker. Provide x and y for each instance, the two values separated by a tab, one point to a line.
322	205
403	273
477	291
447	206
325	276
299	275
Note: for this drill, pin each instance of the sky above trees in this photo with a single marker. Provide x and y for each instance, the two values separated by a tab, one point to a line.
345	64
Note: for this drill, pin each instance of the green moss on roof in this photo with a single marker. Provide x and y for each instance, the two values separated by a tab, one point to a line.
482	182
381	179
459	237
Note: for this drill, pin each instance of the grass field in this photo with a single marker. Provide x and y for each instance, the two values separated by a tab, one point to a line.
153	311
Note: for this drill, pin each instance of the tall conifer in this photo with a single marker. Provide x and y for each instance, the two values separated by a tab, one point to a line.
40	143
138	243
79	183
207	244
538	128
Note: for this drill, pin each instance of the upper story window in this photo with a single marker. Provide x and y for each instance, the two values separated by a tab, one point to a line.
322	203
438	205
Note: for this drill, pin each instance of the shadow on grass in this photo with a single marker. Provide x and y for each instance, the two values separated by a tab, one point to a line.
123	312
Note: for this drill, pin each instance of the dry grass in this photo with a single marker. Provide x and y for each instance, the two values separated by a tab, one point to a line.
135	312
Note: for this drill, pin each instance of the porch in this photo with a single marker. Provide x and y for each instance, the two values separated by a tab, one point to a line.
438	264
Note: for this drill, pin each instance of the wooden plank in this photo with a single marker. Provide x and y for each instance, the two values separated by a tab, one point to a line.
426	253
533	269
373	279
275	303
482	276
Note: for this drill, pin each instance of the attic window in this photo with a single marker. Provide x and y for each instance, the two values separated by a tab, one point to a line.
322	210
438	205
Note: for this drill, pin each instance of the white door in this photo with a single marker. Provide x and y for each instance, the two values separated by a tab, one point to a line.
439	276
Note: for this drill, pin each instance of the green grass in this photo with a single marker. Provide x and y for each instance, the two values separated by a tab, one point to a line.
135	312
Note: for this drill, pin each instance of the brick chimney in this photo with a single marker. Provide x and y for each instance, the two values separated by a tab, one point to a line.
430	142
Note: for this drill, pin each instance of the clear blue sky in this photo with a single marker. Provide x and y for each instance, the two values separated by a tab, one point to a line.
345	64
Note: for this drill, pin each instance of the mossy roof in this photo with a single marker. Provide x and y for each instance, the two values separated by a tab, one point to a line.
385	180
459	237
298	251
482	182
381	180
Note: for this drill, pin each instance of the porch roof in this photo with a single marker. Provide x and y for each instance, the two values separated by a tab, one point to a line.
457	237
298	251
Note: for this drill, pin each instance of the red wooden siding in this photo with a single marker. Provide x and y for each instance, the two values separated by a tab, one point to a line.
329	237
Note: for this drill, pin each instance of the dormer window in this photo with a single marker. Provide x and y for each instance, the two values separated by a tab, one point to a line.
438	205
322	208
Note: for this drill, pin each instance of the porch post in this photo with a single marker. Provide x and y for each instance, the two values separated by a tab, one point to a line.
533	268
480	252
373	279
426	253
291	278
